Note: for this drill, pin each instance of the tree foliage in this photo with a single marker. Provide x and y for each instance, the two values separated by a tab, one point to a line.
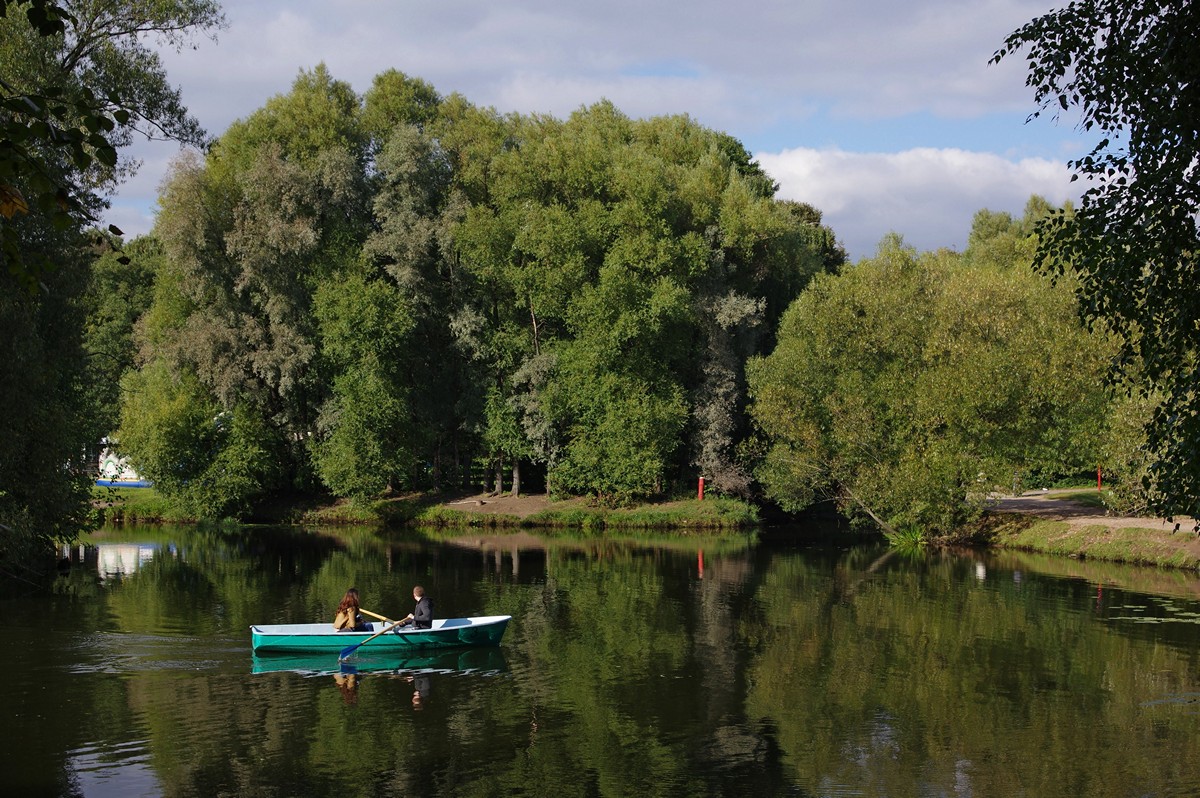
78	80
637	263
409	284
118	294
1132	72
277	209
45	424
910	386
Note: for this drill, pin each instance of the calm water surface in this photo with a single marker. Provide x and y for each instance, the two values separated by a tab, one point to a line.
672	667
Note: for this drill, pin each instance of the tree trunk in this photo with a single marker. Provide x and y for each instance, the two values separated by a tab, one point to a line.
884	525
499	475
516	477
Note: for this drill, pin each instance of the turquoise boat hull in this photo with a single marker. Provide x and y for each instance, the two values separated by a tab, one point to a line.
478	660
317	637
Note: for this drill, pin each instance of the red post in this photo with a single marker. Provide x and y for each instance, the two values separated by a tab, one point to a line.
700	561
1098	483
700	490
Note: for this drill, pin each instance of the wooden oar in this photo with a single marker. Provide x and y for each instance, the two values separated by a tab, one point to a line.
348	650
383	618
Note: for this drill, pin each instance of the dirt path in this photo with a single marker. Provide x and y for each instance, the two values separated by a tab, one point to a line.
1090	534
505	504
1051	505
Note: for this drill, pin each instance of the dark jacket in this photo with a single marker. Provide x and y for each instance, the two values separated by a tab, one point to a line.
423	614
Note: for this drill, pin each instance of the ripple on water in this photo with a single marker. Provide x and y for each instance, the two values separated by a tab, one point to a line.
105	652
114	769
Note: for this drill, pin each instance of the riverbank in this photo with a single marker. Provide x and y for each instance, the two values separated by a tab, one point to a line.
1073	524
519	512
144	505
1066	523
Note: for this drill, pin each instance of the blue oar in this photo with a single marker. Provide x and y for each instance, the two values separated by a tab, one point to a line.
348	650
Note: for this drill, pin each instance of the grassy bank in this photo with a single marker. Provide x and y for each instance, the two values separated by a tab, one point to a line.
712	513
135	505
1128	544
145	505
684	515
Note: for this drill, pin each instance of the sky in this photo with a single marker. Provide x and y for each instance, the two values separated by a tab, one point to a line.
886	116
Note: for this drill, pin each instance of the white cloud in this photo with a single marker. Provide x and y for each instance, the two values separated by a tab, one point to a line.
872	76
860	58
927	195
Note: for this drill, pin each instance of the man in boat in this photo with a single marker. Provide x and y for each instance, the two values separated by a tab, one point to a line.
348	618
422	615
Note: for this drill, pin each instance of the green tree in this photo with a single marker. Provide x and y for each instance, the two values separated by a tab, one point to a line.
276	210
43	492
416	143
119	292
1132	72
367	438
910	386
608	258
77	81
212	461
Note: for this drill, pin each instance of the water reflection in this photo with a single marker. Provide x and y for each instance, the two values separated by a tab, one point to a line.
485	660
671	666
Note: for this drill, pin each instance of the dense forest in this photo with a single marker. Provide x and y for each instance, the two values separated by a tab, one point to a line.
382	292
355	295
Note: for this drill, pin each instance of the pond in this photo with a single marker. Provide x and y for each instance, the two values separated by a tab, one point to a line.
674	666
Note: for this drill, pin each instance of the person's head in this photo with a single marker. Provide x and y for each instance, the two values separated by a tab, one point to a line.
350	600
418	592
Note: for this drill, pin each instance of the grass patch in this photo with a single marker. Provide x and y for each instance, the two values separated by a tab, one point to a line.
1088	498
689	514
440	516
342	512
118	505
1136	545
686	514
907	539
135	505
392	511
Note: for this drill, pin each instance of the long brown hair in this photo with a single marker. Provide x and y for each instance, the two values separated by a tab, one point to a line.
349	601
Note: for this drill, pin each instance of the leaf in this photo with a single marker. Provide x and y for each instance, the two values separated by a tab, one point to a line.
12	201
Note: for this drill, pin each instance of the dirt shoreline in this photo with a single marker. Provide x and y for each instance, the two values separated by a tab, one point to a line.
1048	505
1047	522
1051	505
1041	521
521	506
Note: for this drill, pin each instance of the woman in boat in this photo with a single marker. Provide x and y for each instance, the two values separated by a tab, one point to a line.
422	615
347	618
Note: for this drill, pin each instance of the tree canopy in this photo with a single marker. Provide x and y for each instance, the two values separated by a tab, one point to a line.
78	79
1131	70
910	386
400	286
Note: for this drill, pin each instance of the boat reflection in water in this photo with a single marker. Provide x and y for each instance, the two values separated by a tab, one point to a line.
481	661
416	670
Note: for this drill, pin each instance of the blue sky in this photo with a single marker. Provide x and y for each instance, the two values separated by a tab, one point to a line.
886	116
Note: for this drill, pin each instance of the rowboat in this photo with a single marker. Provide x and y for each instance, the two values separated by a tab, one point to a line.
476	660
445	633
